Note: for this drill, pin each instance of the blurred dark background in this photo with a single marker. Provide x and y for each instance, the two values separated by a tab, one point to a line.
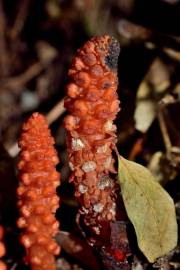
37	42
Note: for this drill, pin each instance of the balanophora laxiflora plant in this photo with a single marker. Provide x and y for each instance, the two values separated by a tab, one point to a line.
37	193
93	104
2	249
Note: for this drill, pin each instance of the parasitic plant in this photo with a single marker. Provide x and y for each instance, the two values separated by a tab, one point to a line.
37	193
93	104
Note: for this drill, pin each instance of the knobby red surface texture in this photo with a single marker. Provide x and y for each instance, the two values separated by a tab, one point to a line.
93	104
2	249
37	193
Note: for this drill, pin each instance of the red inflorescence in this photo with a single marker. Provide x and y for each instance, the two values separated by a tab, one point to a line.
38	201
93	103
2	249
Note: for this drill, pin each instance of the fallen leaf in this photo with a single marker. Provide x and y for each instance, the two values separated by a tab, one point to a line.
145	111
150	209
144	115
149	92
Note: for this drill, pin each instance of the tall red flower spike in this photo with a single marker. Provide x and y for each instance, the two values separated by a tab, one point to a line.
37	193
93	103
2	249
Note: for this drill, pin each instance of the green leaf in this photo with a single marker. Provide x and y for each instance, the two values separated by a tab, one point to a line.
150	209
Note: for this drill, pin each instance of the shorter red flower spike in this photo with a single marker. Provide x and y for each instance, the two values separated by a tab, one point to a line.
2	249
38	201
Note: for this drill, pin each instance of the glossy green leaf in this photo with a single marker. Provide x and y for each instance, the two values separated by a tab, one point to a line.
150	209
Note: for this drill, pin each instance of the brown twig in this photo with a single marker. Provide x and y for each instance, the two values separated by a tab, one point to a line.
164	131
20	19
55	112
167	141
17	83
4	62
